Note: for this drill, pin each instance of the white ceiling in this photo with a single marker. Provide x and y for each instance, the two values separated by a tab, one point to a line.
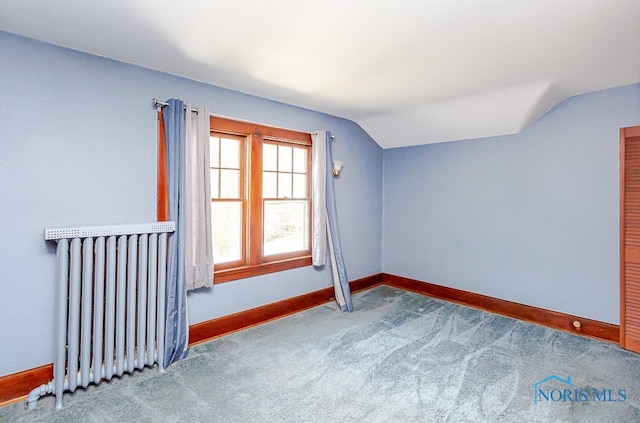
408	71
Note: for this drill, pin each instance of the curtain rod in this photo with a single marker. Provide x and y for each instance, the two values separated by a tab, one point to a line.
160	103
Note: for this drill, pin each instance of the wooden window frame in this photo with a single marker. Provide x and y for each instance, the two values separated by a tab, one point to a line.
255	263
243	199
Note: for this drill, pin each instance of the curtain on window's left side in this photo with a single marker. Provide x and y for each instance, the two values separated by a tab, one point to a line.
184	196
198	242
176	327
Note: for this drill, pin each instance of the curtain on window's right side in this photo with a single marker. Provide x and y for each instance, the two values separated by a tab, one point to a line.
325	219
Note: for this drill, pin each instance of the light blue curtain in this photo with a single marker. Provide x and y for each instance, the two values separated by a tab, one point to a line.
335	250
176	331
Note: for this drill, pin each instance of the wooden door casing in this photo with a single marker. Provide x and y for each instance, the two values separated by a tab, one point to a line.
630	238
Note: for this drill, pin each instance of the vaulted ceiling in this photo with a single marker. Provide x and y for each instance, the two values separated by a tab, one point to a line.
408	71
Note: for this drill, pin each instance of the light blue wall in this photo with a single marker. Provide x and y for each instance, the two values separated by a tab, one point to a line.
78	146
531	218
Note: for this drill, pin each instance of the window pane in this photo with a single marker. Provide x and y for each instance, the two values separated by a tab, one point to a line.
226	227
229	153
229	183
215	191
269	157
284	159
299	186
285	226
269	185
299	160
214	151
284	185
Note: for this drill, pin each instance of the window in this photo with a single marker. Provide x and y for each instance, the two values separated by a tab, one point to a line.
261	199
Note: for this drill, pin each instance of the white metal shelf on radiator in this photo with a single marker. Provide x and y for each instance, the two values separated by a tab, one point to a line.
108	230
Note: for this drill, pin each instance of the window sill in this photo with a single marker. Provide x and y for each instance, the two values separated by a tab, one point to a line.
228	275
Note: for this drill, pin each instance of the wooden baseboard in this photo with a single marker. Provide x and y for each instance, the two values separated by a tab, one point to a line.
18	385
201	332
15	387
555	320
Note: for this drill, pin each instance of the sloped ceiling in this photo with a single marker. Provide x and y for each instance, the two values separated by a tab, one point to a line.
408	71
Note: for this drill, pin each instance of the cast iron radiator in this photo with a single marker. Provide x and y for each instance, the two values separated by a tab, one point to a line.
110	303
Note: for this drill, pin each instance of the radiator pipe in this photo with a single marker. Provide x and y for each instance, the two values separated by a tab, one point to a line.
34	395
49	388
